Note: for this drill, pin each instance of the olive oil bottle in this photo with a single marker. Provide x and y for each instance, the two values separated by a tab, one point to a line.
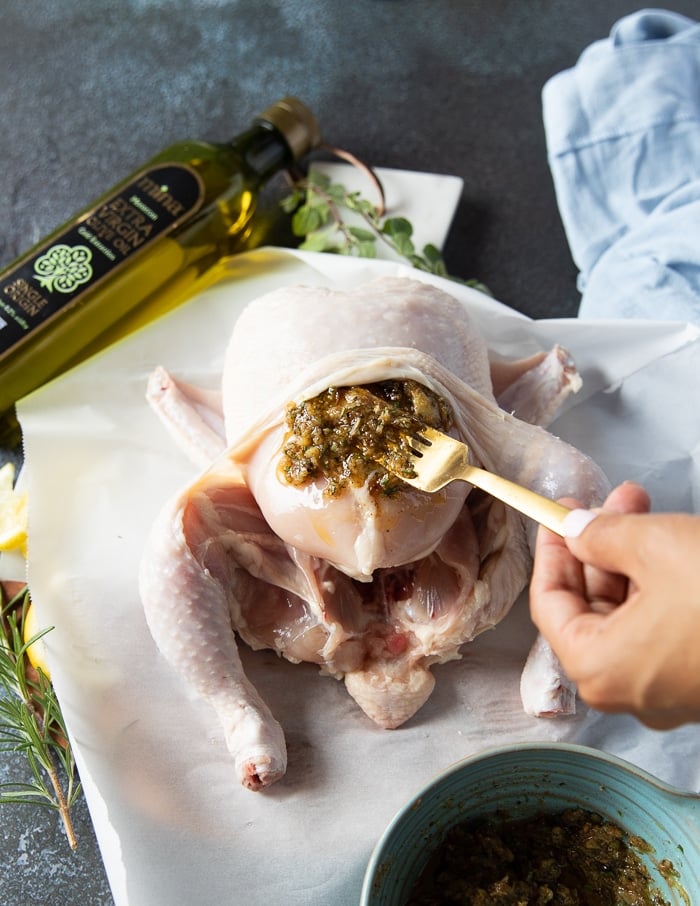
140	249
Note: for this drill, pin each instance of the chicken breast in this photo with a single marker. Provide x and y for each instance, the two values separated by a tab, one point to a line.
373	588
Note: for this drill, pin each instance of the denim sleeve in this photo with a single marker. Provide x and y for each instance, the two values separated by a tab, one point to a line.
623	142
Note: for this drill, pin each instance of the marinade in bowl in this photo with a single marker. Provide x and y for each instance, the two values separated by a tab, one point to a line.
658	824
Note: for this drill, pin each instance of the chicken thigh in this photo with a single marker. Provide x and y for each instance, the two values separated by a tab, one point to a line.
373	588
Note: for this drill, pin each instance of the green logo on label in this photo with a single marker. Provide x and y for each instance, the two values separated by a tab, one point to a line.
63	268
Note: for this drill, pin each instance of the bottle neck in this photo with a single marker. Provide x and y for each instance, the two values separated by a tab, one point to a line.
264	151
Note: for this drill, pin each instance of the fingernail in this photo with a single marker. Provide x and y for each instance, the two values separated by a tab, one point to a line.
576	521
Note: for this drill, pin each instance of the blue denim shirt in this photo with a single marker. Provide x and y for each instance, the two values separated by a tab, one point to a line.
623	141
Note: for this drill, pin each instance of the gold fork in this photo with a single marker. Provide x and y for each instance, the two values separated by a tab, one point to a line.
439	459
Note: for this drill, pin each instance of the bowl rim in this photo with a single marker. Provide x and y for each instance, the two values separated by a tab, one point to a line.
576	749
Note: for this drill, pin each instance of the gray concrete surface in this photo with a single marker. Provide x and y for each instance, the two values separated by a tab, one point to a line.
89	89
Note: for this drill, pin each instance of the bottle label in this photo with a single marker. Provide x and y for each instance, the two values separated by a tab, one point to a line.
43	283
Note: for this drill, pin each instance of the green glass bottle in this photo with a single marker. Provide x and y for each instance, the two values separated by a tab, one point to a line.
140	249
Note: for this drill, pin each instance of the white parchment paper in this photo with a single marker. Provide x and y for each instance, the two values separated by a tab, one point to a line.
173	824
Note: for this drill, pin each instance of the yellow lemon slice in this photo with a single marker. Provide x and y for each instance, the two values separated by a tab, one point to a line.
36	651
13	513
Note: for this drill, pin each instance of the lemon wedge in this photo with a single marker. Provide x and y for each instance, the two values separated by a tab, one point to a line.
36	651
13	513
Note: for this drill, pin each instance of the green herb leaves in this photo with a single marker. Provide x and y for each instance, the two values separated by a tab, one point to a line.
319	209
31	723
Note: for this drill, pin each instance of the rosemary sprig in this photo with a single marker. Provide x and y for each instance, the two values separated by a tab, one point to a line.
31	722
317	206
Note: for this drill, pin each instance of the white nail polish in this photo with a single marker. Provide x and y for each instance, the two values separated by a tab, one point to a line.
576	521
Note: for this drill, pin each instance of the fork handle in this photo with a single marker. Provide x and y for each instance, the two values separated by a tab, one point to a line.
543	510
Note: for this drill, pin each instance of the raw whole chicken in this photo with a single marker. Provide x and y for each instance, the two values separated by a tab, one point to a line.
373	588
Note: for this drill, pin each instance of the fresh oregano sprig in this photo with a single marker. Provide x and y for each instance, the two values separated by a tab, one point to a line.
31	723
317	204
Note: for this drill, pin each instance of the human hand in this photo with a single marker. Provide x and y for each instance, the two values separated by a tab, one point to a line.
619	604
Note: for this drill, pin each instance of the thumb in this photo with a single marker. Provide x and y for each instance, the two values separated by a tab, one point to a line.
609	541
627	497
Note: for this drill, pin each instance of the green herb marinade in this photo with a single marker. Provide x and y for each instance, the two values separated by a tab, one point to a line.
343	432
569	858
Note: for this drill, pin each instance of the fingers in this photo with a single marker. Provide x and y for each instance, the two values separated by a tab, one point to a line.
627	497
606	589
577	581
605	545
557	569
557	586
620	606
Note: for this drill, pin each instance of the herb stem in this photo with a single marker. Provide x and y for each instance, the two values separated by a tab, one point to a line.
31	722
316	205
62	803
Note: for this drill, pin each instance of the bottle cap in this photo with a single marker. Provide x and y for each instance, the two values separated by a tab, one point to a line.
296	123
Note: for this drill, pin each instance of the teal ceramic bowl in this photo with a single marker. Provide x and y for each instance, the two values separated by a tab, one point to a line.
532	778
